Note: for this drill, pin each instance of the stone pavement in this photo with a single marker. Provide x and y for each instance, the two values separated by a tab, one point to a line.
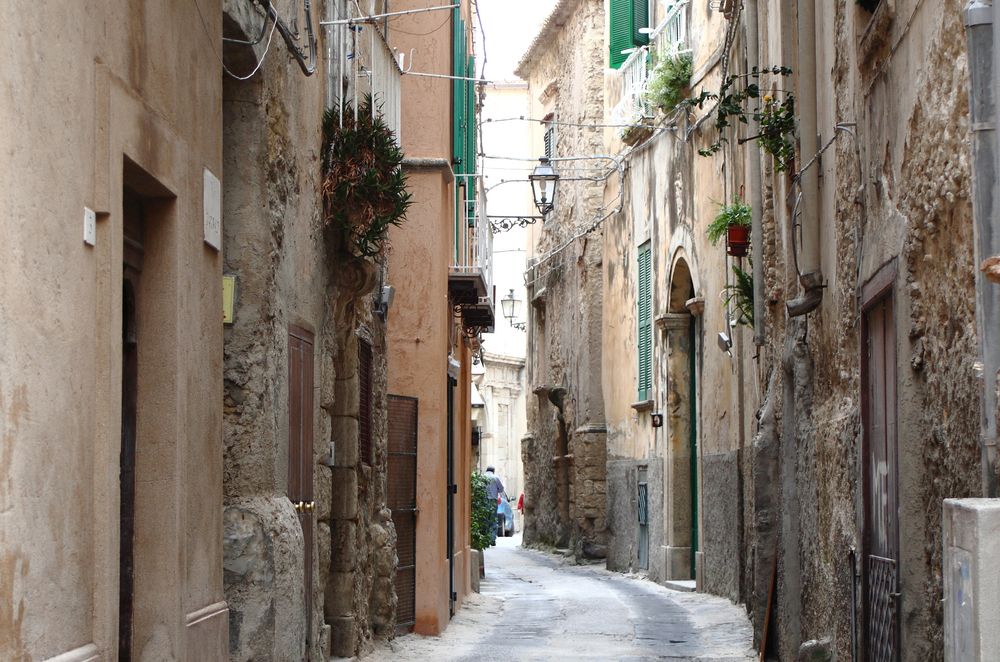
535	606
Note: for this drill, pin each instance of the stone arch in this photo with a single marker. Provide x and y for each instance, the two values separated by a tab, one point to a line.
680	334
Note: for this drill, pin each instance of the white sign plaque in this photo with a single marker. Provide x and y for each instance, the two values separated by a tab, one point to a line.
213	210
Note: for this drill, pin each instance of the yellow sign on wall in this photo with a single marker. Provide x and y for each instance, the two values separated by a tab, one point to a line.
228	298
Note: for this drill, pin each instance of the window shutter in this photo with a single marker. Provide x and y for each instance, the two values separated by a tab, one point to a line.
459	94
470	141
645	330
621	31
550	138
640	19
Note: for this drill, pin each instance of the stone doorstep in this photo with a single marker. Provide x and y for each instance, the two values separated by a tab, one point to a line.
686	585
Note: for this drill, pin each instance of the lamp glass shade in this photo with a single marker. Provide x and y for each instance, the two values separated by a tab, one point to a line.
511	306
543	185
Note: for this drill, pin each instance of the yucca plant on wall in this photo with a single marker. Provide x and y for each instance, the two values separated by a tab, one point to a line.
364	187
669	81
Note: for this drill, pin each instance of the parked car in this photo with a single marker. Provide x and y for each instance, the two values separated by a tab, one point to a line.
505	517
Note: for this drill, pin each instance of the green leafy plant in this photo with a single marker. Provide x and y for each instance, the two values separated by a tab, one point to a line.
740	295
737	213
484	512
364	187
668	81
775	113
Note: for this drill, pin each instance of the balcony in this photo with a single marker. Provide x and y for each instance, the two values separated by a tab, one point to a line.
377	73
669	39
470	276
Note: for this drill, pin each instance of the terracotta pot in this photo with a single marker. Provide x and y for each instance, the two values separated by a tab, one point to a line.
738	240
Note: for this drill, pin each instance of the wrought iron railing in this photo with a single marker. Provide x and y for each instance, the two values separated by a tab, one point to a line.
669	39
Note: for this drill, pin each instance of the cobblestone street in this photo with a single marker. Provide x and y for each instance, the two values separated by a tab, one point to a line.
535	606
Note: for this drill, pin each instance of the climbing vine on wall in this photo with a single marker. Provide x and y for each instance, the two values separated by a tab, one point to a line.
483	512
774	114
364	187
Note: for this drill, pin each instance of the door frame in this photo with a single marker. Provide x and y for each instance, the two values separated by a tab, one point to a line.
877	290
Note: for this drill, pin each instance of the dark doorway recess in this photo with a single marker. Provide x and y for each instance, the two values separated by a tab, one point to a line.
403	502
880	472
300	449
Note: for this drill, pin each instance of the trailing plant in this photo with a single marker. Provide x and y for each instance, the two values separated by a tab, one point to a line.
740	295
776	118
484	512
364	187
669	80
737	213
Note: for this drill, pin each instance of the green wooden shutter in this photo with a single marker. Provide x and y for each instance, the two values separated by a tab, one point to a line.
627	17
459	94
621	31
640	19
470	140
645	328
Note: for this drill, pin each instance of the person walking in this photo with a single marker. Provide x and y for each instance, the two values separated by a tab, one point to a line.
494	488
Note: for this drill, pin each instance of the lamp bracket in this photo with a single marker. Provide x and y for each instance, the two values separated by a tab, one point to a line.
502	223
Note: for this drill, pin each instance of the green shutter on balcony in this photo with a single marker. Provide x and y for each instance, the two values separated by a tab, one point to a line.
621	31
627	17
459	94
470	140
640	19
644	305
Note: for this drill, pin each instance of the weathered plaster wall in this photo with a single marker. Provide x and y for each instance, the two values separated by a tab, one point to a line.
898	192
74	108
563	495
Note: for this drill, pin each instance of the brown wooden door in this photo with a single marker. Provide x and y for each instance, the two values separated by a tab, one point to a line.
402	494
880	557
300	448
126	480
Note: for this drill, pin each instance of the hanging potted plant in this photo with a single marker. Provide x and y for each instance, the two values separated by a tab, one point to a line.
733	221
364	187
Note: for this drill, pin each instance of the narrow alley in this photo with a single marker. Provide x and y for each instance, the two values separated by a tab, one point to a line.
537	606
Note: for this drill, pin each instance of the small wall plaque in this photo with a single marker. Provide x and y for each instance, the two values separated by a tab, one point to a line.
228	298
213	210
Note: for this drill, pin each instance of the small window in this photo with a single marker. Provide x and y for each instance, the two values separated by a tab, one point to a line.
550	141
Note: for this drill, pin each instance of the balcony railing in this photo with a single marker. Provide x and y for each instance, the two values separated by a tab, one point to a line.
669	39
470	278
378	74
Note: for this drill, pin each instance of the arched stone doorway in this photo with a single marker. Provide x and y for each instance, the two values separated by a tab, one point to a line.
680	338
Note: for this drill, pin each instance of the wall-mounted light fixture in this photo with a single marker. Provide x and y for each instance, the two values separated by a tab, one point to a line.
511	307
543	185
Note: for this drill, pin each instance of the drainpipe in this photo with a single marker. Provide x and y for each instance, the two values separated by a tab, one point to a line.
810	276
980	31
756	201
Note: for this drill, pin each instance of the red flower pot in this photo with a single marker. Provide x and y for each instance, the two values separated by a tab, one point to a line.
737	240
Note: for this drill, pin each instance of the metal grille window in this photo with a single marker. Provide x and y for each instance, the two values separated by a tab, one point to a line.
644	305
643	504
365	375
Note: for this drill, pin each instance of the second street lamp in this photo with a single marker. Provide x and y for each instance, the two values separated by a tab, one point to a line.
511	307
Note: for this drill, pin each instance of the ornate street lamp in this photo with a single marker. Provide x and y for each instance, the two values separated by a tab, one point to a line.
543	184
511	307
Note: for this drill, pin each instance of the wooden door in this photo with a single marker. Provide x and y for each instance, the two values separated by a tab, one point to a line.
402	492
300	449
880	480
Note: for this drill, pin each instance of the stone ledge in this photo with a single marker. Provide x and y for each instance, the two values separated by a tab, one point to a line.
642	405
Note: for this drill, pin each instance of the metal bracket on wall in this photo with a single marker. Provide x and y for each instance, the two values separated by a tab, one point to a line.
501	223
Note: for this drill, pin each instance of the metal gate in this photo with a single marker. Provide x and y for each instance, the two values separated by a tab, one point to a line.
402	496
880	562
643	524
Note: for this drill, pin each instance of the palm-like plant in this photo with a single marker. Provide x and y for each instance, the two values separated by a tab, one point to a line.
740	295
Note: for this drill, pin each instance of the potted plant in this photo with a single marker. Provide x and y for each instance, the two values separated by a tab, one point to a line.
733	221
668	82
740	294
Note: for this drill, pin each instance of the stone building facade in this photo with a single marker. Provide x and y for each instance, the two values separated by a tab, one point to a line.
309	541
564	449
825	435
